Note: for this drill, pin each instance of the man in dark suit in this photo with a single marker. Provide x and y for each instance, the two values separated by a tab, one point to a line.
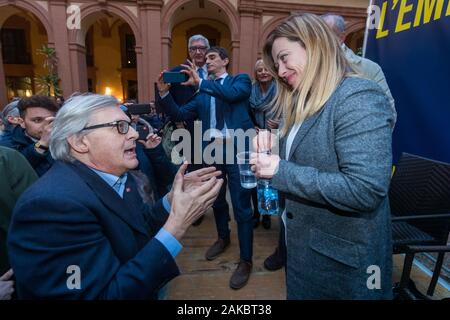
197	46
221	104
82	230
31	138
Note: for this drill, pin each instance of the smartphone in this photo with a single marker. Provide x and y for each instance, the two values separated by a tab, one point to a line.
174	77
143	132
139	108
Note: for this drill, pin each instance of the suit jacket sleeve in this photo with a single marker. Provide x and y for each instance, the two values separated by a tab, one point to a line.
239	89
363	147
155	216
75	238
377	75
164	169
17	175
34	158
187	112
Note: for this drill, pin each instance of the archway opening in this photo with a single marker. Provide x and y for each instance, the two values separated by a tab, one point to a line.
111	65
355	41
22	37
196	17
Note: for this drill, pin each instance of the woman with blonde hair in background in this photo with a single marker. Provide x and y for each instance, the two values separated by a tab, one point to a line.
264	89
263	92
334	166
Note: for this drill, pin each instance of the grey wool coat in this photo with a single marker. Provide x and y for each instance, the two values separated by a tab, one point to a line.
334	188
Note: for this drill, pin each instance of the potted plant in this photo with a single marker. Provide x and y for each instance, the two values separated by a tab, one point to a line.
48	84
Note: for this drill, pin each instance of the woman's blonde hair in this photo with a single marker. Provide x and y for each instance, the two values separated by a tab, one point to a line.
324	69
257	63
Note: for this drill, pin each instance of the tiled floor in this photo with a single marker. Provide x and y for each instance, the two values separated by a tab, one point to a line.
206	280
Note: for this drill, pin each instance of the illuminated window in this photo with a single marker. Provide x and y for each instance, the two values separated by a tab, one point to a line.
19	87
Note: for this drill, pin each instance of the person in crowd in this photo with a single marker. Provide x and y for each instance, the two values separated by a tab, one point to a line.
154	118
153	162
10	117
82	231
367	68
263	91
59	101
221	104
334	166
31	138
16	176
197	46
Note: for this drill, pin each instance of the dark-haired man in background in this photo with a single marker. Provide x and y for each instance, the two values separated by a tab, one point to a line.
31	138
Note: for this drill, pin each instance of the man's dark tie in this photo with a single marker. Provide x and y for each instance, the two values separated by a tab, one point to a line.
220	122
201	73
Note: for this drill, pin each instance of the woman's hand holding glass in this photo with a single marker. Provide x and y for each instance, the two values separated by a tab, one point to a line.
264	163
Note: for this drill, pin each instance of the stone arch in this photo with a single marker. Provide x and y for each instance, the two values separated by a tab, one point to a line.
31	6
354	34
88	13
354	26
173	5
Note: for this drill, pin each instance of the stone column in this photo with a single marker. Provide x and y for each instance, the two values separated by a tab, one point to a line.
235	45
150	62
58	17
166	43
250	21
79	67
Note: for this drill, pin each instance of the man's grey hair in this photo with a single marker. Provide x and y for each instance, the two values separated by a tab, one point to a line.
10	110
198	37
338	22
72	118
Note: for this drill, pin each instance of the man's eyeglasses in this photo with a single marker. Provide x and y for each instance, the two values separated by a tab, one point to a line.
194	49
122	126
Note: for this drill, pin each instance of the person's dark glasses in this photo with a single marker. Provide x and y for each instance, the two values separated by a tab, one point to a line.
122	126
201	49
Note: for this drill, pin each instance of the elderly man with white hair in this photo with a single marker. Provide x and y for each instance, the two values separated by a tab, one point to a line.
82	231
367	68
10	117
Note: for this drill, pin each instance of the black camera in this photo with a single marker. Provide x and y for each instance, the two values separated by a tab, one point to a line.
139	109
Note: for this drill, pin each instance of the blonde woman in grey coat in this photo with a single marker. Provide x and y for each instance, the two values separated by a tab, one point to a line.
333	169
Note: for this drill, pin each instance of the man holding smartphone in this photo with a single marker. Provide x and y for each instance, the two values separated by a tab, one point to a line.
197	46
221	104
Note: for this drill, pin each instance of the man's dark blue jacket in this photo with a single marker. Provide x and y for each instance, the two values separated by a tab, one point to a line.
71	216
234	94
16	139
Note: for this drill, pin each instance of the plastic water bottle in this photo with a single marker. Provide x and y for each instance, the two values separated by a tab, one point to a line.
267	197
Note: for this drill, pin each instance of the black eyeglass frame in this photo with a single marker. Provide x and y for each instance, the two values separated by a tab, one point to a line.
113	124
201	49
